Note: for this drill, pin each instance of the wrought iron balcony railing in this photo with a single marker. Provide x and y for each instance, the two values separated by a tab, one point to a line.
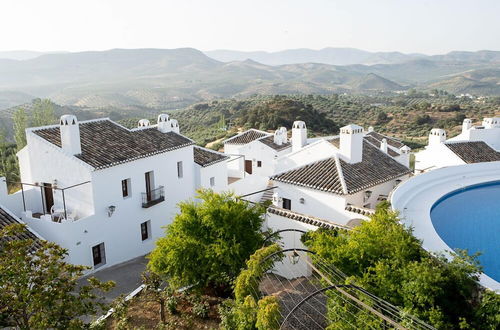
153	197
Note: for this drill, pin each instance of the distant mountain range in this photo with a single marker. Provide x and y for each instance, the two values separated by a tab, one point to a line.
347	56
23	54
174	78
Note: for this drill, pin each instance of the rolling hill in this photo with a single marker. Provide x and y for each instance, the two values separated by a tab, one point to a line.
175	78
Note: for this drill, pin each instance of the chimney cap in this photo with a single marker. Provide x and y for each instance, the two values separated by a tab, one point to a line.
67	120
299	124
143	123
351	129
163	118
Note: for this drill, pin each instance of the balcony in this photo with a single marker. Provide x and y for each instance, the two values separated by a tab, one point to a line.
153	197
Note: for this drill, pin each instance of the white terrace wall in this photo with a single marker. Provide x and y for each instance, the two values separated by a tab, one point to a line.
434	157
289	240
358	199
317	203
47	163
218	171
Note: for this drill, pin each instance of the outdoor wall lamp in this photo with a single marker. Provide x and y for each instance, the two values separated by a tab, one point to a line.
111	210
294	258
302	200
368	193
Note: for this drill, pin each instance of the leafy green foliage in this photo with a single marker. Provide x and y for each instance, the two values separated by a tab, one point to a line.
8	161
208	242
20	123
39	289
247	283
268	313
386	259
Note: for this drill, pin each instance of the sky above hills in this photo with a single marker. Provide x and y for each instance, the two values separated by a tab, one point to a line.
410	26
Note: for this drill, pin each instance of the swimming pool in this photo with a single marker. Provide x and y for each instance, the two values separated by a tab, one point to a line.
469	219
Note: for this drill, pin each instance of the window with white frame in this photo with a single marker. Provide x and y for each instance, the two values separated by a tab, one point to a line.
126	191
212	181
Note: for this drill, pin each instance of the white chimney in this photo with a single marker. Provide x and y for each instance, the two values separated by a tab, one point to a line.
70	135
383	145
143	123
276	199
175	126
370	129
491	122
278	137
437	136
299	135
466	125
164	124
284	134
351	143
404	157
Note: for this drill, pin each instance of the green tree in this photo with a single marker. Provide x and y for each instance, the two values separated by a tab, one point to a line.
208	242
385	258
39	290
20	123
43	113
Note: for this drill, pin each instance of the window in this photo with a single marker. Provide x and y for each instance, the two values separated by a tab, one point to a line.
212	181
179	170
126	188
259	163
98	255
287	204
145	230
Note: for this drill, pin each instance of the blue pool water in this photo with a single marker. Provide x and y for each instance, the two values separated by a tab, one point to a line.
470	219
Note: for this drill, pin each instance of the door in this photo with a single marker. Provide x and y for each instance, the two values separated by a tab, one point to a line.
149	185
248	166
98	254
48	196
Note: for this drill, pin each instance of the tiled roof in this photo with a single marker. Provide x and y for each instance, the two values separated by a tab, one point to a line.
375	168
205	157
359	210
305	218
246	137
105	143
474	151
378	143
393	142
269	141
6	219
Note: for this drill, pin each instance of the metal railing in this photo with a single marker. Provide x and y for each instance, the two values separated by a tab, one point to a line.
153	197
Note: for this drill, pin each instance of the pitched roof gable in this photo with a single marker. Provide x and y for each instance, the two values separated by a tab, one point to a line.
106	143
375	168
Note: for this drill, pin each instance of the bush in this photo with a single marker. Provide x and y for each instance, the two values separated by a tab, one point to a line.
201	309
209	241
268	314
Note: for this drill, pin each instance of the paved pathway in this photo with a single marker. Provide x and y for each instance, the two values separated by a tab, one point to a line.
127	277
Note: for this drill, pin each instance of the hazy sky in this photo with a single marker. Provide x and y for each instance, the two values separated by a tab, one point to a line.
423	26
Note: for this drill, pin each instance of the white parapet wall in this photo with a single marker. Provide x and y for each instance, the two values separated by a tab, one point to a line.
414	199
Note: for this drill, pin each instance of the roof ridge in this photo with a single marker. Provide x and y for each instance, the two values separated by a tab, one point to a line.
340	173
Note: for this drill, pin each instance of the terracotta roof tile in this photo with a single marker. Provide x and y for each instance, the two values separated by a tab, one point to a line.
105	143
246	137
6	219
390	140
205	157
305	218
474	151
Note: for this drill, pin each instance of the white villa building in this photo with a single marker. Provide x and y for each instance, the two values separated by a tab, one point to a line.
105	192
475	144
313	182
